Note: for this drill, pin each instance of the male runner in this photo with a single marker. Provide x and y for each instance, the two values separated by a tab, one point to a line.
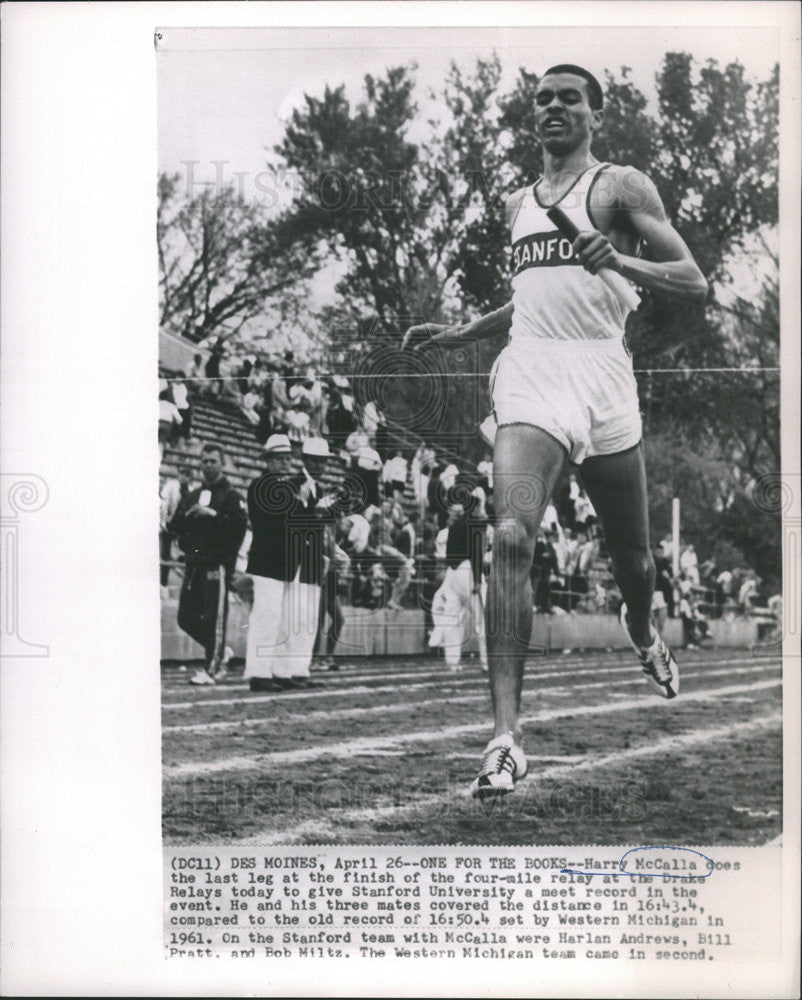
563	388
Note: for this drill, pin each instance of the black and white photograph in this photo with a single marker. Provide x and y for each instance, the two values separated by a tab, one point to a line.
470	511
400	499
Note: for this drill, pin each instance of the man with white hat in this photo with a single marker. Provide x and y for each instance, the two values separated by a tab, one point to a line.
283	562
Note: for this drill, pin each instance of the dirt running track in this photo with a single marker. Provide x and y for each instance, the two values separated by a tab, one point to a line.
385	751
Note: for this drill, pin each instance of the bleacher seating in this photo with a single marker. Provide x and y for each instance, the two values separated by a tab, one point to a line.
220	422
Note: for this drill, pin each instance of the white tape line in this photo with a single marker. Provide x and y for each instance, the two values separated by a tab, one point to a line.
442	677
358	711
365	744
671	744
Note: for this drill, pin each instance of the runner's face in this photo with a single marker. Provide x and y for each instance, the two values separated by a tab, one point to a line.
563	116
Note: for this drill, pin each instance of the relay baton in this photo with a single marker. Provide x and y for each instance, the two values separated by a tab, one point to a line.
616	282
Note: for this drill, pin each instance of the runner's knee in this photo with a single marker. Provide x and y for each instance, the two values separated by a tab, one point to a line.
514	543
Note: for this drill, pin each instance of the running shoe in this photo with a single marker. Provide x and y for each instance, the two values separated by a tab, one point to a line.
657	662
262	684
202	677
503	764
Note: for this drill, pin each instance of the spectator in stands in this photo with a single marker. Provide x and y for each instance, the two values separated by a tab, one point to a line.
587	553
285	562
423	462
169	420
280	401
298	411
725	583
367	469
339	413
440	482
566	505
287	368
664	581
398	565
258	376
566	550
209	523
572	553
370	420
544	565
584	511
403	533
558	585
316	405
171	493
180	396
252	407
458	605
659	609
394	474
747	594
337	564
694	623
688	564
354	443
243	376
212	369
551	521
485	472
707	580
353	536
197	372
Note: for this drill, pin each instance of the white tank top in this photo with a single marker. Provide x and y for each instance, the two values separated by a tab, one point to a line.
555	298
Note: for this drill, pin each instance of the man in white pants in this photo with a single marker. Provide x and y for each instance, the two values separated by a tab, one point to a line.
458	605
283	564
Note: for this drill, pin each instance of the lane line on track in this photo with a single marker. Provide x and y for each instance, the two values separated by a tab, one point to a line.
443	678
425	665
440	671
350	748
348	818
359	711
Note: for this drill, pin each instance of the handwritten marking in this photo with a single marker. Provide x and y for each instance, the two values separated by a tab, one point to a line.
660	847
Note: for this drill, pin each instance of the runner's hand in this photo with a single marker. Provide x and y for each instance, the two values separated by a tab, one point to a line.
425	334
596	251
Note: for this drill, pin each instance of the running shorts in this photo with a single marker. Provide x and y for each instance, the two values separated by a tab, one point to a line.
583	393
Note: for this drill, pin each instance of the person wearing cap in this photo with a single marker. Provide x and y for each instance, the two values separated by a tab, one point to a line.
286	565
367	469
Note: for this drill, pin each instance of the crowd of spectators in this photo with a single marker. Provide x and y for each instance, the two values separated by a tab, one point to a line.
387	558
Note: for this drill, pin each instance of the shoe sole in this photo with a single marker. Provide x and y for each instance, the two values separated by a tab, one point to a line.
486	792
483	792
656	686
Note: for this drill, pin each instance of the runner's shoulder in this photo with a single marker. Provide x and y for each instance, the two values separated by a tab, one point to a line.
512	203
626	187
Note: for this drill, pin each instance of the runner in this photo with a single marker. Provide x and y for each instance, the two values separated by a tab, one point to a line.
563	388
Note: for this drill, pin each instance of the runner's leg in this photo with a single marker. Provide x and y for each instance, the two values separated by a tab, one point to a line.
527	462
616	485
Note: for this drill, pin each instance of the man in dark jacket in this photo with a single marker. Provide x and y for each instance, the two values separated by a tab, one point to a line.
210	524
286	564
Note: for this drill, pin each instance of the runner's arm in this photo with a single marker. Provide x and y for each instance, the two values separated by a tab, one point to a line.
498	321
674	273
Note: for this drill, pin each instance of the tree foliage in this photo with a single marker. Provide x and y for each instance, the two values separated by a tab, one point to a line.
410	213
220	260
